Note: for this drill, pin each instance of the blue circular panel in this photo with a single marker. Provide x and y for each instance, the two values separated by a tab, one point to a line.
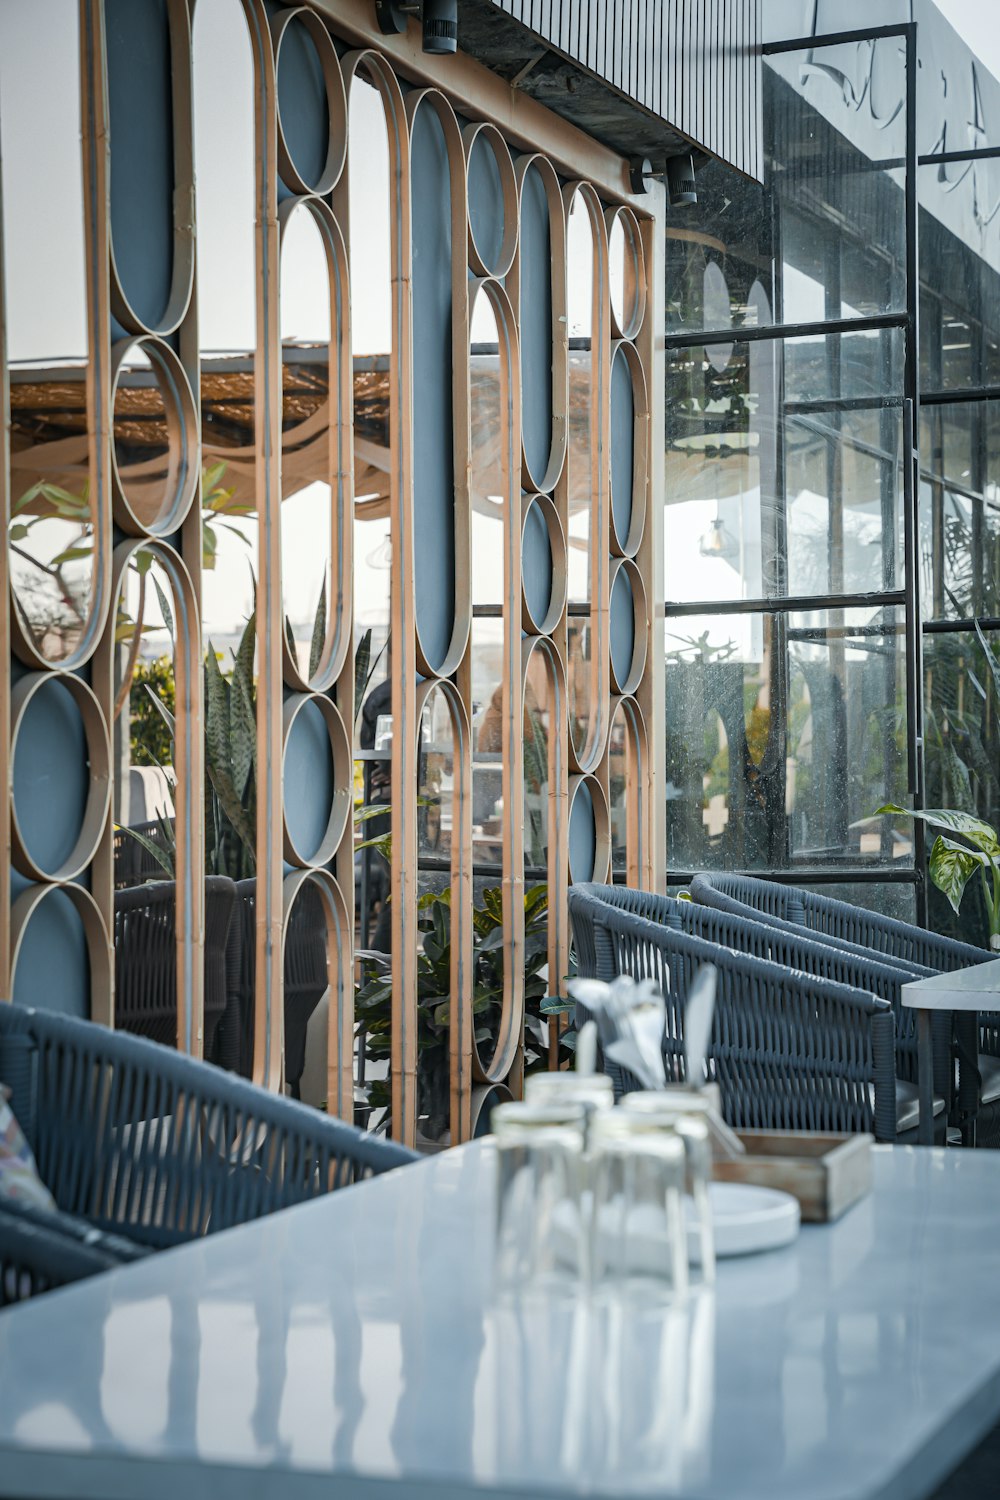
433	425
486	201
51	775
622	625
302	101
582	835
536	563
536	324
53	966
140	104
308	780
622	444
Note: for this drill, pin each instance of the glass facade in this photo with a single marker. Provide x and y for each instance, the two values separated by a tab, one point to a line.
822	591
790	712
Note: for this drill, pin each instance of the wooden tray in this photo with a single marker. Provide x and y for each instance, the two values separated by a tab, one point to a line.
826	1173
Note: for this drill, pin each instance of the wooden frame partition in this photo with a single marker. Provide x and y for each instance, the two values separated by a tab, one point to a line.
474	620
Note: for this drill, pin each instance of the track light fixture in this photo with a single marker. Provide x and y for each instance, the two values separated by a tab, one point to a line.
438	21
680	181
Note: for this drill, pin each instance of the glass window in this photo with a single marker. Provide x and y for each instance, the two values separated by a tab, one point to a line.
784	734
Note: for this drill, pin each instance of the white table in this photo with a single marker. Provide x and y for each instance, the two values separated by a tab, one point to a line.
970	990
349	1348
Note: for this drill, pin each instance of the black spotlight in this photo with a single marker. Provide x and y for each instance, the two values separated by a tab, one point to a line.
680	181
440	25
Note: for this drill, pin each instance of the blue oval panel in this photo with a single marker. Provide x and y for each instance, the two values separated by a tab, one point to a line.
582	835
140	103
302	101
622	625
433	456
622	444
536	562
486	201
53	968
536	323
308	780
51	775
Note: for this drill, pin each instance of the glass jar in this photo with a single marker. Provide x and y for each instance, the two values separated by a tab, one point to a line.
541	1231
637	1235
674	1111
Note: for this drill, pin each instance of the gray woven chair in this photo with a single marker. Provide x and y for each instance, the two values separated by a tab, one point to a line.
205	1151
789	1050
146	959
796	948
911	948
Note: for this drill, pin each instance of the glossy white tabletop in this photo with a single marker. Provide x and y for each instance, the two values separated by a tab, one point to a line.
350	1348
974	988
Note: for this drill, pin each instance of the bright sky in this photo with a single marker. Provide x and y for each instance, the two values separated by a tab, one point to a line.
978	23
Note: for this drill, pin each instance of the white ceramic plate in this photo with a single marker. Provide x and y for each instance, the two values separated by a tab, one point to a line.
745	1219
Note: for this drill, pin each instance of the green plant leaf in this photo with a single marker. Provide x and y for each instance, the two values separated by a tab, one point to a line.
168	717
318	642
165	610
983	835
951	867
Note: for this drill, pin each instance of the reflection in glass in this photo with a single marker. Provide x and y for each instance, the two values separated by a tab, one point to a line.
580	472
51	534
307	497
830	519
141	437
783	732
835	219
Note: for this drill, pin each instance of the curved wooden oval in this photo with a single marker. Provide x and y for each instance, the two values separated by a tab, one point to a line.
504	259
440	498
637	843
182	436
557	548
627	320
340	466
336	101
512	844
405	683
464	1055
340	1025
95	814
585	759
182	276
629	544
558	834
602	828
543	478
340	757
189	768
626	683
98	942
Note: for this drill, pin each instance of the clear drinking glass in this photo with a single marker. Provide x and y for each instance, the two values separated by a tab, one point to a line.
637	1172
541	1235
592	1090
675	1111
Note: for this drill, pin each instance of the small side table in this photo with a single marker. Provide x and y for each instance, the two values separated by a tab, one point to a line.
969	990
